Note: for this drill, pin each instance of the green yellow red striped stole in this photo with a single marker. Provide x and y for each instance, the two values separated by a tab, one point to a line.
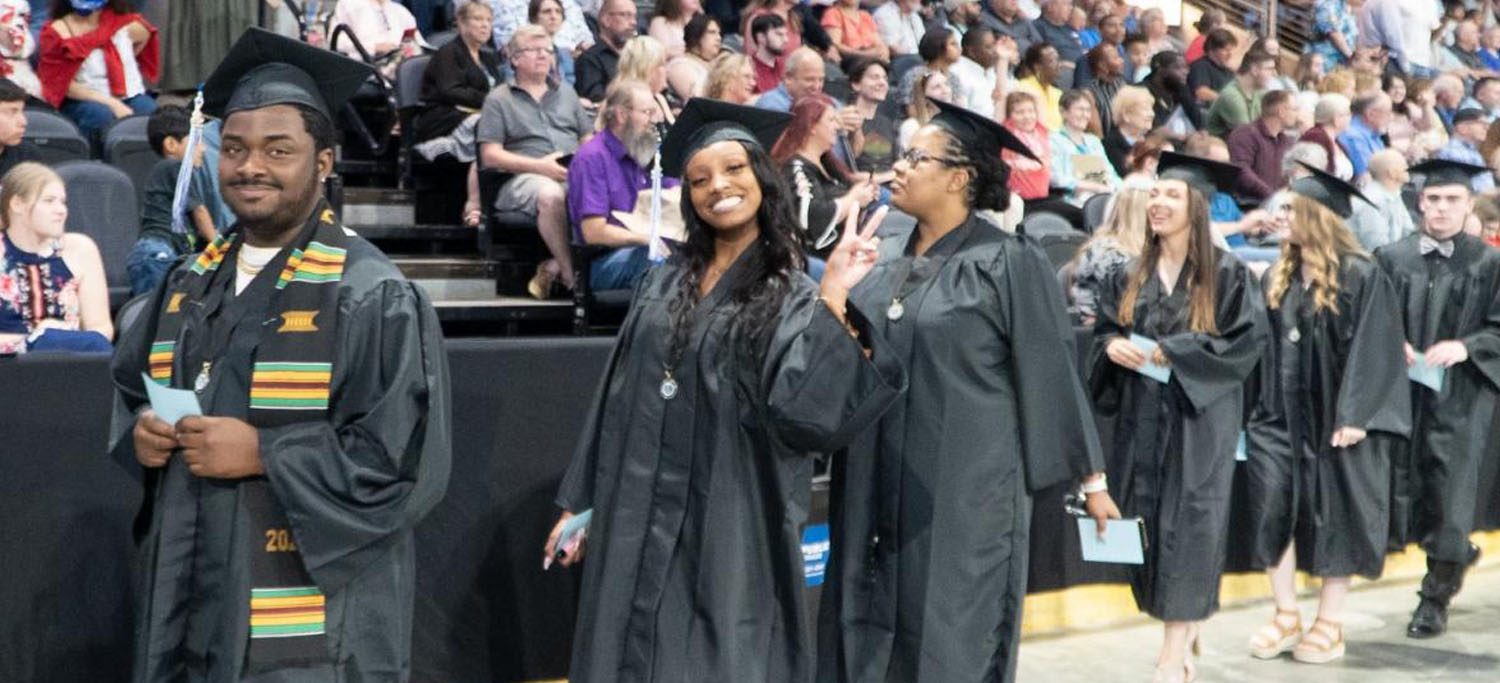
286	612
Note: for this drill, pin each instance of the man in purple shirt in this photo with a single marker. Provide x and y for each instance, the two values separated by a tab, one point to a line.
607	174
1259	145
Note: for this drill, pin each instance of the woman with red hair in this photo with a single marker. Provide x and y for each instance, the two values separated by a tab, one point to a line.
96	58
825	189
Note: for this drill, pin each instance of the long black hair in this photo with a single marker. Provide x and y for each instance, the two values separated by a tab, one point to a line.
762	291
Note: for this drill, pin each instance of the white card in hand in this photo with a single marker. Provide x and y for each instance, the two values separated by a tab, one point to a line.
170	404
1160	373
1121	544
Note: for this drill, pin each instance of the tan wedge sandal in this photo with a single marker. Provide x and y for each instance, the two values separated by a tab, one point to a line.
1323	643
1277	637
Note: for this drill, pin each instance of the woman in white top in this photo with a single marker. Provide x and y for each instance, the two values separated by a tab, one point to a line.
668	21
1074	147
383	27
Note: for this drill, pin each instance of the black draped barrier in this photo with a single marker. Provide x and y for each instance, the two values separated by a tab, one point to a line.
485	610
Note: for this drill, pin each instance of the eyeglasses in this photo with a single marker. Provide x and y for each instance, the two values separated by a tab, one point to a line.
915	156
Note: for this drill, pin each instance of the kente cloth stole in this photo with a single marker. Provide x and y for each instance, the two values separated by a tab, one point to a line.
290	383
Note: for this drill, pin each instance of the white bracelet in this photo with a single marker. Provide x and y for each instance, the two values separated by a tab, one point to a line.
1099	485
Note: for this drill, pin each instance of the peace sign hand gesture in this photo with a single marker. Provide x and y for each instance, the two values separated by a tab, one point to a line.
853	258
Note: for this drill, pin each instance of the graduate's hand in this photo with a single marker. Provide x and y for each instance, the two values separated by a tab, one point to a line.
1159	357
852	259
571	553
1125	354
1347	437
1446	354
220	447
1101	507
154	439
1411	354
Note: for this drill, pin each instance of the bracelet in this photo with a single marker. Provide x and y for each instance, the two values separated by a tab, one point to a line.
1099	485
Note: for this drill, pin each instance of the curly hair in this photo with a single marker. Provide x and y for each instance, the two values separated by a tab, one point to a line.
989	176
1322	243
759	300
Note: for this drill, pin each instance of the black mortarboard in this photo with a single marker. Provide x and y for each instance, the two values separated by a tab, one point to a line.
1205	175
970	128
704	121
1329	190
1436	172
263	68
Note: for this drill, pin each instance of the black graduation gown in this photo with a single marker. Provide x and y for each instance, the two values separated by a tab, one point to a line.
930	512
1172	462
1435	484
1322	371
352	487
694	568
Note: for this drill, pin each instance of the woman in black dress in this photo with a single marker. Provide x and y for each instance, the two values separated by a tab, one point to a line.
454	85
731	370
826	194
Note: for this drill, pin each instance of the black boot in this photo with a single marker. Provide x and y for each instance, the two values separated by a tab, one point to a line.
1430	619
1443	580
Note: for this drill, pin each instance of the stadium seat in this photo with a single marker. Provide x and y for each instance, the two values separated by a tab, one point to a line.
56	135
1045	223
102	205
1093	211
595	310
127	148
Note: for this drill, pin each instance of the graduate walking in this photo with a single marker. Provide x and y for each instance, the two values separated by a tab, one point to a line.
1448	285
732	370
1173	458
930	512
1333	404
280	544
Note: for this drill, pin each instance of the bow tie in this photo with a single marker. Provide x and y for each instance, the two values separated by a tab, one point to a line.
1428	245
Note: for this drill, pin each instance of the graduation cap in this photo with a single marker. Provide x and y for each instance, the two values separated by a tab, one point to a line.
1437	172
1329	190
704	122
264	68
1205	175
970	128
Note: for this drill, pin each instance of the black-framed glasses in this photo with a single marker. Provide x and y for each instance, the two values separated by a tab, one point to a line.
914	156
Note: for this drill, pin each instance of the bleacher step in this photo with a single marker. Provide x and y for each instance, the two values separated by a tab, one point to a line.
373	206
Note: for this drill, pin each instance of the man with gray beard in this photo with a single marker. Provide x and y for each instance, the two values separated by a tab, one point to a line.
607	174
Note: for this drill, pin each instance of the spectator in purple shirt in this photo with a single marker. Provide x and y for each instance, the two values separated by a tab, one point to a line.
607	174
1258	146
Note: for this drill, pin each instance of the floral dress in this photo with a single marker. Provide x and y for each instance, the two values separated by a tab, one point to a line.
1330	16
34	288
1098	261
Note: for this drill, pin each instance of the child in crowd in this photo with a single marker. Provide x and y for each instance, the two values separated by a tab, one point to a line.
158	247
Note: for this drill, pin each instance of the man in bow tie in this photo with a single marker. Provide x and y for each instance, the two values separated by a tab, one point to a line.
1449	286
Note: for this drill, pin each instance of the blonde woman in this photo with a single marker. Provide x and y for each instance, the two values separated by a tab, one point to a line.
731	79
644	59
52	289
931	85
1334	401
1114	244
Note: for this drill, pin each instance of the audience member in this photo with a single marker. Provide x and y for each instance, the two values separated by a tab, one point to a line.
768	49
1212	18
1137	58
1176	110
1140	163
901	24
384	28
644	59
669	19
1447	97
1280	80
1309	72
852	32
1054	30
608	174
1489	48
1132	116
1310	153
881	128
454	85
95	65
1115	242
826	193
984	72
597	65
962	15
1385	219
159	245
52	289
1111	34
1330	119
1239	102
1258	146
930	85
1029	178
1461	58
1484	96
785	9
1404	29
526	125
1039	66
804	76
688	72
548	14
1108	68
1469	130
1089	32
731	78
1079	165
1371	116
1211	73
1004	17
575	36
18	44
1231	225
939	51
14	147
1154	26
1335	32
